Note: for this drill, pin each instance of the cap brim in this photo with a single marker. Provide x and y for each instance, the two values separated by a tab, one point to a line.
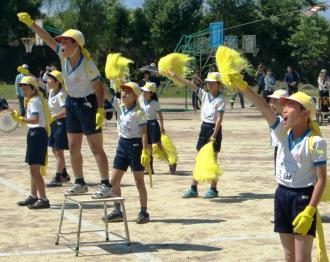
283	100
145	89
272	96
210	80
59	38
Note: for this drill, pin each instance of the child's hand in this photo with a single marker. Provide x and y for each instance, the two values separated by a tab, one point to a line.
145	159
99	119
212	139
25	18
238	82
16	117
162	130
303	222
171	73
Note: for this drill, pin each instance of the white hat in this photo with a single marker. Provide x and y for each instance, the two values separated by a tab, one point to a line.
279	93
149	87
213	77
26	66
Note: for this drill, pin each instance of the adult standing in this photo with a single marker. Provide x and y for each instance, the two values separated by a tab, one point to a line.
197	81
291	78
84	103
23	71
260	76
323	83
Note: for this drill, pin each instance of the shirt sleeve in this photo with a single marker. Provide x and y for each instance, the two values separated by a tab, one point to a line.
222	105
200	93
157	107
142	120
62	99
115	102
319	151
35	106
92	71
278	130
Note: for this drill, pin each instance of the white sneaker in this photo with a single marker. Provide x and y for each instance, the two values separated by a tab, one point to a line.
103	191
76	189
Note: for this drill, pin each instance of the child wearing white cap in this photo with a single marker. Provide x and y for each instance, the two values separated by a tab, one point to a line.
84	103
212	110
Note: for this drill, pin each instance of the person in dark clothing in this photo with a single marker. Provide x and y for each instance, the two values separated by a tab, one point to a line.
291	78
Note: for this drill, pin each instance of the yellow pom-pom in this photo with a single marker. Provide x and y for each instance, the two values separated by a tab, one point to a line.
157	153
326	193
206	168
170	150
116	67
23	70
175	62
230	63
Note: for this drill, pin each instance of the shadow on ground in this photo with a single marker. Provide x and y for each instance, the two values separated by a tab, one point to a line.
242	197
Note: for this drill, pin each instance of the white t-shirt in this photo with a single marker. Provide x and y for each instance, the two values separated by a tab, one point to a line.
211	106
56	102
323	83
150	108
129	121
35	108
295	162
78	80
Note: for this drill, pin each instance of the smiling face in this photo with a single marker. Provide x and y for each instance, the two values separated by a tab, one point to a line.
294	115
68	46
128	98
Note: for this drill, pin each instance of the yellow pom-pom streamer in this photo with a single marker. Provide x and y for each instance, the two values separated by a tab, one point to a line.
23	70
116	67
169	149
321	250
206	168
158	154
174	62
230	63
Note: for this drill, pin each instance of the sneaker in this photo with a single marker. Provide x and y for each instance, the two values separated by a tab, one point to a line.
103	191
55	182
115	216
210	193
40	204
143	218
172	169
28	201
65	178
76	189
190	193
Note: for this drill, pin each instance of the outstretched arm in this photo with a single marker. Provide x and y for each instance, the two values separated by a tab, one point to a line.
43	34
183	80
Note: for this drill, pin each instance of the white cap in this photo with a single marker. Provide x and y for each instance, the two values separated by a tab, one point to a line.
26	66
279	93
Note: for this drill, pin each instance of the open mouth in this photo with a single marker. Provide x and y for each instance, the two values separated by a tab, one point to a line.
285	119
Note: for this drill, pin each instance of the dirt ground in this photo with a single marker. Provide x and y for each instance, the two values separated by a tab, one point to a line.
237	226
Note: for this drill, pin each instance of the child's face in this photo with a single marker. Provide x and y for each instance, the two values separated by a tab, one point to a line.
52	83
28	90
147	95
269	73
213	87
276	106
127	96
293	114
68	47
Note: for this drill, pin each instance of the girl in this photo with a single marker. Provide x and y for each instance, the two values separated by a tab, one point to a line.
300	169
58	140
84	103
151	109
132	149
213	108
37	138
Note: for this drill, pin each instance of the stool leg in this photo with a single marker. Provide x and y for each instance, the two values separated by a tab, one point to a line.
126	226
78	230
106	221
61	222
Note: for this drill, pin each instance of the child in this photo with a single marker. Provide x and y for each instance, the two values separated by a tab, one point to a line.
213	108
151	109
277	108
58	139
37	139
84	103
132	149
300	169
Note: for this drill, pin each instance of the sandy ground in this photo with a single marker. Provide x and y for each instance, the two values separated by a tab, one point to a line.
237	226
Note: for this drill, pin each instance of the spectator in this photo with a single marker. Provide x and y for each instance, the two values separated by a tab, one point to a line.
269	84
323	83
291	78
198	82
19	92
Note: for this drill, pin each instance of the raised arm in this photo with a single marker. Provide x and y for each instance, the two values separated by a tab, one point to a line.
183	80
43	34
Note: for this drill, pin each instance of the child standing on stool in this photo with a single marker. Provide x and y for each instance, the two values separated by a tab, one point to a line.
300	169
150	107
212	110
58	139
37	140
132	149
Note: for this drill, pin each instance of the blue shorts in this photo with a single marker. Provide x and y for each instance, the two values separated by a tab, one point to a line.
58	139
289	202
153	131
36	149
81	115
205	134
128	154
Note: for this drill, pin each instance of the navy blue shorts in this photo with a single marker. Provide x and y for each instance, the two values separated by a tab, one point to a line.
128	154
36	149
153	131
58	139
289	202
81	115
206	132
